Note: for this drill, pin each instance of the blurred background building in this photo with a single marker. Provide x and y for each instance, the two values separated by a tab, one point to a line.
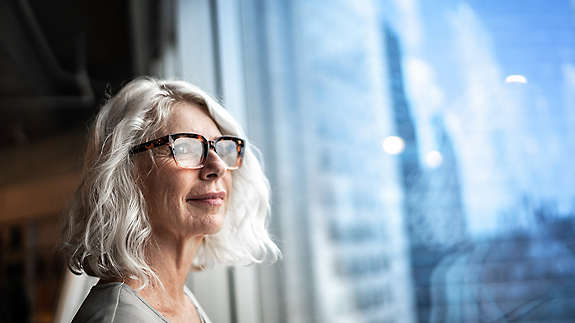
419	152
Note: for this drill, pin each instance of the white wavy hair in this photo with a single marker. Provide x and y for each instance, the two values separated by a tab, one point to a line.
107	230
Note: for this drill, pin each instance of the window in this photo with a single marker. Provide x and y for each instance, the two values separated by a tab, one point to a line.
419	154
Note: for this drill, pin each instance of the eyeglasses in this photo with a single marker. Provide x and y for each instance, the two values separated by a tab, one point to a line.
191	150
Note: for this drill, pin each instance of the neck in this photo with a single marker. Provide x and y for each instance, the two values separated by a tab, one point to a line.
171	259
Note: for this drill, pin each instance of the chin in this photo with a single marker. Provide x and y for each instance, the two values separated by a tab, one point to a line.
209	224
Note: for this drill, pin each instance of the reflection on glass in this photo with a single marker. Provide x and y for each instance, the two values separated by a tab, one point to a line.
433	159
393	145
516	79
484	225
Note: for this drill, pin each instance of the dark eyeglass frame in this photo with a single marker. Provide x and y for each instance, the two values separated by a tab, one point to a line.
206	146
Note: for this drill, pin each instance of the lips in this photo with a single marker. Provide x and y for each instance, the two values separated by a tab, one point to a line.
212	199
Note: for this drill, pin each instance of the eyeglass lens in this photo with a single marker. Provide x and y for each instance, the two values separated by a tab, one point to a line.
189	151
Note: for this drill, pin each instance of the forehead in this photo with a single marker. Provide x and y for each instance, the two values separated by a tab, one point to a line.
189	117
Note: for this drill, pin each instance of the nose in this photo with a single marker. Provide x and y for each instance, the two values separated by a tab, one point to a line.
214	167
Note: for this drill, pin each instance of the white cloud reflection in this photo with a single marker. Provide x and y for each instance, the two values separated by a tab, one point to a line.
409	23
484	108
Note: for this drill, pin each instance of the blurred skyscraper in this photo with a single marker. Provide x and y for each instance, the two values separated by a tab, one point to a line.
434	218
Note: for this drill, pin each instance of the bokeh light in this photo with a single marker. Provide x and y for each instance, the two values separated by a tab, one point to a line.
393	145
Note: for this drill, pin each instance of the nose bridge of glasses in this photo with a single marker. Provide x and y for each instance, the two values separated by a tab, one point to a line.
212	145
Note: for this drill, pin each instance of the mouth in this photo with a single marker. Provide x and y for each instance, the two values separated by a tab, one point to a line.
211	199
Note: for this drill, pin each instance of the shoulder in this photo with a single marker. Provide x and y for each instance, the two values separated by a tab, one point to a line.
114	303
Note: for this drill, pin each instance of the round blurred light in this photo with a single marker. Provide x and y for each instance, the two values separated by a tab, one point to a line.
516	78
393	145
433	159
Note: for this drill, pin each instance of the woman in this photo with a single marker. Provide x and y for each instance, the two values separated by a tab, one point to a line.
169	184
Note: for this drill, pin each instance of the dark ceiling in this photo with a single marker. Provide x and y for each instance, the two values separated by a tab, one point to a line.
57	61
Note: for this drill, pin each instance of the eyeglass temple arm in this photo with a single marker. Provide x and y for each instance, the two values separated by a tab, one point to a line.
150	145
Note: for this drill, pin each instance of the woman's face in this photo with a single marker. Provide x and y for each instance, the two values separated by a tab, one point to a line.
186	202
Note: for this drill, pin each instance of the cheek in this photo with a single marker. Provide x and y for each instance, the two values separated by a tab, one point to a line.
159	202
167	212
228	185
163	192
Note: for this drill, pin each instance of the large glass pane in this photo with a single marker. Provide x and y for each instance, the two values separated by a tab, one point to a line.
420	155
